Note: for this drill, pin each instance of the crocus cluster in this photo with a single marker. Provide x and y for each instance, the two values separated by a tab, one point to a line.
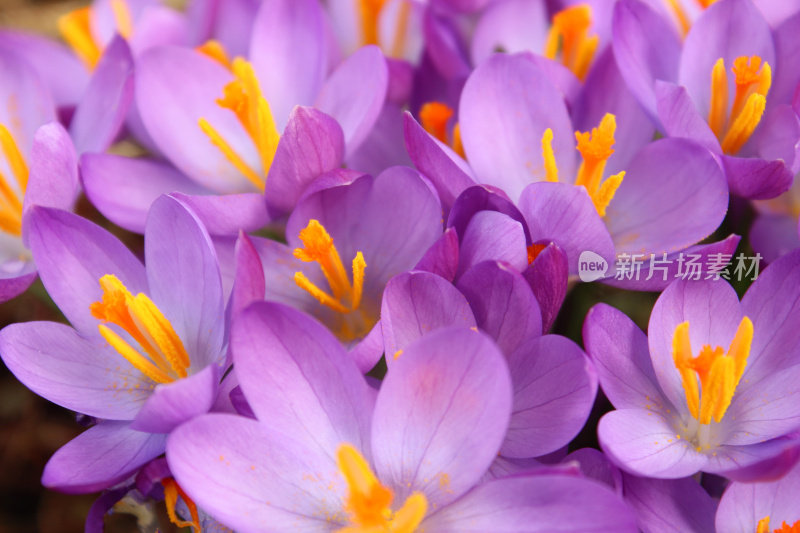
364	227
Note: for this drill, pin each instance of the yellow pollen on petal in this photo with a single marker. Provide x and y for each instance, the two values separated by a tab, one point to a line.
733	127
368	503
11	196
216	51
75	28
162	356
710	379
244	98
171	493
434	117
595	149
570	29
122	17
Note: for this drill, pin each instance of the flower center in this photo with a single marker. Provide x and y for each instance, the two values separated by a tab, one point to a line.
369	12
171	493
753	81
244	98
162	357
369	503
595	149
763	527
11	194
434	117
718	372
570	29
75	28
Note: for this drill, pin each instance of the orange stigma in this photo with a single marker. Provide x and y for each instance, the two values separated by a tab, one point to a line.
76	29
12	193
718	372
244	98
733	127
369	503
570	29
763	527
434	117
171	493
166	358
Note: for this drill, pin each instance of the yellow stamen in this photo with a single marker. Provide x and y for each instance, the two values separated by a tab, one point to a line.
718	372
122	17
139	317
458	146
76	31
680	14
11	197
369	503
370	11
595	149
570	28
763	525
215	51
550	166
399	42
171	492
243	96
753	80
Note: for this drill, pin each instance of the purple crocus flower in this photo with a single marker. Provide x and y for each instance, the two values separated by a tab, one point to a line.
715	87
712	386
145	347
410	456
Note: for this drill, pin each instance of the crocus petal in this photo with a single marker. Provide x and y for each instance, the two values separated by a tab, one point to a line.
368	351
288	54
644	443
713	312
249	285
787	45
159	25
173	404
288	364
491	235
416	303
184	278
53	180
105	104
253	477
72	254
311	144
442	257
95	518
27	104
55	362
728	29
661	205
503	304
779	136
227	214
439	420
755	178
100	457
124	188
595	465
763	461
673	505
354	94
621	358
482	198
228	21
680	118
554	390
444	47
511	26
506	105
647	48
383	147
448	172
547	276
14	285
536	504
773	236
565	214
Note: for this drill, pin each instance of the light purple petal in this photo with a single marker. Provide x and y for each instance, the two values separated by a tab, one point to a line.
367	352
442	257
184	279
510	26
53	164
124	188
773	236
159	25
756	179
595	465
175	403
547	276
13	286
72	254
227	214
299	379
787	46
644	443
680	118
311	144
764	461
288	54
354	94
439	419
445	47
249	285
482	198
228	21
383	147
670	505
492	236
103	108
505	108
27	104
100	457
779	136
55	362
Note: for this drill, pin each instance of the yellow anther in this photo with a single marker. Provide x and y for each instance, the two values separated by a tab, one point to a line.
171	493
370	11
458	146
76	30
401	29
570	29
139	317
244	98
763	525
122	18
718	372
595	149
368	502
753	80
680	14
434	117
216	51
550	166
10	196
